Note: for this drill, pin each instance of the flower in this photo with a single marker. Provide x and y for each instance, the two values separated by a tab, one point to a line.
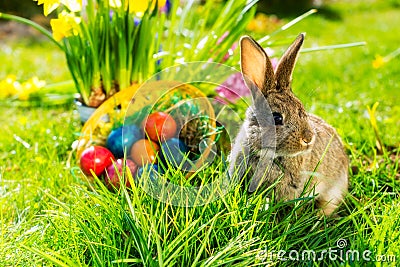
29	87
110	45
137	6
262	23
233	88
115	3
65	25
166	8
8	87
50	5
73	5
378	62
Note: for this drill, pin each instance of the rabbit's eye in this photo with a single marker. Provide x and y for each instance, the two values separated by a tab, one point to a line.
278	119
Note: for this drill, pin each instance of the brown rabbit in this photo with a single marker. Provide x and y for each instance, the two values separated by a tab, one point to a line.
279	141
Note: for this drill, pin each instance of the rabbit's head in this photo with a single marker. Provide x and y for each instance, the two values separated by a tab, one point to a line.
287	114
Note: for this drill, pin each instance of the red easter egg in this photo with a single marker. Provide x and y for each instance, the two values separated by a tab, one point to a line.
159	126
116	169
144	151
96	158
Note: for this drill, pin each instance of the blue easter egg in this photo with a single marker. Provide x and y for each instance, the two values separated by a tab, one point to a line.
122	138
173	152
151	169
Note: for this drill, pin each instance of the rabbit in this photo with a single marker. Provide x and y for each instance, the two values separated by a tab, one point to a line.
279	142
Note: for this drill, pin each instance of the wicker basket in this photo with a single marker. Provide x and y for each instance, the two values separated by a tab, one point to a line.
135	98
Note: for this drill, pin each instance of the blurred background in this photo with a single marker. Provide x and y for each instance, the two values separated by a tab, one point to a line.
344	80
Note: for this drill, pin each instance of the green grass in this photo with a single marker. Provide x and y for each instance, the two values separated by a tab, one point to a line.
51	217
25	58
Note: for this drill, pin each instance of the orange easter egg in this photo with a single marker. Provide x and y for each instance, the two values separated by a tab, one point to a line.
144	151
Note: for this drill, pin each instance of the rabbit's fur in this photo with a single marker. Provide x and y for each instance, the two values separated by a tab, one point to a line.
300	148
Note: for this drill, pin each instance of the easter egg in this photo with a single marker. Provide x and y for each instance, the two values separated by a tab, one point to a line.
122	138
115	171
173	152
150	169
148	176
159	126
144	151
97	159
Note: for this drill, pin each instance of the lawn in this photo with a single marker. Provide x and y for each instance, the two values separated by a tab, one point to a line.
51	216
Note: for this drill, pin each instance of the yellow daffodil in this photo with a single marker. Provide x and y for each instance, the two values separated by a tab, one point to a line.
65	25
50	5
29	87
378	62
35	83
137	6
115	3
263	23
73	5
9	87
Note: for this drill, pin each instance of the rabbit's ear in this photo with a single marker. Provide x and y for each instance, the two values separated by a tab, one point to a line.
285	66
255	64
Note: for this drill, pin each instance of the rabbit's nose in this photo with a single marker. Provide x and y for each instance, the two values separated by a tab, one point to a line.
307	137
